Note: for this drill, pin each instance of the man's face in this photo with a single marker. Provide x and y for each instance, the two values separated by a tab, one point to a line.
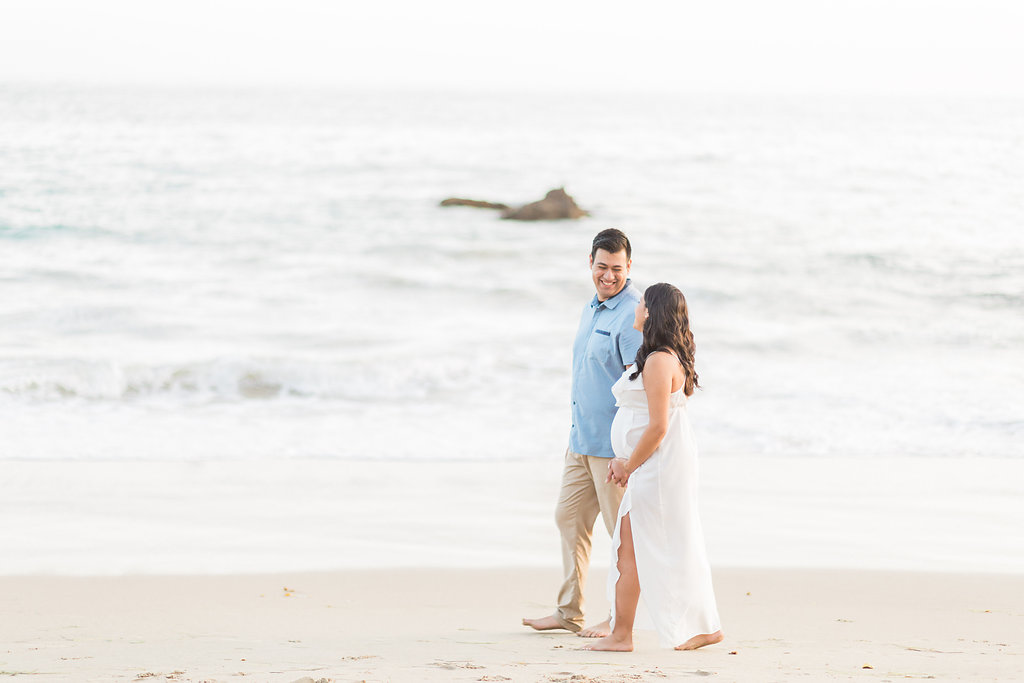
609	272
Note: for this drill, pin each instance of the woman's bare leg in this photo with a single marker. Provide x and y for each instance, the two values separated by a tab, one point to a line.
627	595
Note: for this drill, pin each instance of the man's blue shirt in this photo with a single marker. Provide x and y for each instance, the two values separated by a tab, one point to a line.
605	344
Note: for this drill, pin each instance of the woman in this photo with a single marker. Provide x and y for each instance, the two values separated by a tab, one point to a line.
658	547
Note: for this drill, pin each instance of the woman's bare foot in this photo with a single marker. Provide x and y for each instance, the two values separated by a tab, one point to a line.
612	643
597	630
544	623
701	640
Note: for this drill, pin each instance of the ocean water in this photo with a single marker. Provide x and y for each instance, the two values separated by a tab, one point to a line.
203	274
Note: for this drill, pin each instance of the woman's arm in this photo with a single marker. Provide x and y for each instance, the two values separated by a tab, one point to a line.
658	373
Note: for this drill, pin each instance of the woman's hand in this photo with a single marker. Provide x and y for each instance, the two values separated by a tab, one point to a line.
617	471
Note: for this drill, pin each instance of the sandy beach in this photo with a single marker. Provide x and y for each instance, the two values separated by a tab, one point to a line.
462	625
158	549
335	570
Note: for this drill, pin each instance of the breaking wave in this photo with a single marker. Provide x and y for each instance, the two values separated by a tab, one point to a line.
222	380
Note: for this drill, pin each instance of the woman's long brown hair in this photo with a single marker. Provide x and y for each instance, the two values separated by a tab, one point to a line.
667	328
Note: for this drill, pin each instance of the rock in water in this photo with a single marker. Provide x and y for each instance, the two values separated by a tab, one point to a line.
556	204
456	201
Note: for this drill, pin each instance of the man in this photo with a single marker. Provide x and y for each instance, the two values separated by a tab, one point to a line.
605	344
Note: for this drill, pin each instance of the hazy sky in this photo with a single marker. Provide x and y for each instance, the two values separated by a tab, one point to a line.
929	46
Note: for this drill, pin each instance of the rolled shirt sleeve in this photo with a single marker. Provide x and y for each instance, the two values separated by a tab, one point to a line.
629	342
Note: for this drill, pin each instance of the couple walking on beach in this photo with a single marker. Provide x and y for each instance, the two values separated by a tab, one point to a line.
637	466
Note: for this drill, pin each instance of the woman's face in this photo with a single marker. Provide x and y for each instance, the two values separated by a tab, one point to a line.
640	315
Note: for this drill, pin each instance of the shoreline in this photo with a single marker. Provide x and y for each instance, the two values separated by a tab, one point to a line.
463	625
263	516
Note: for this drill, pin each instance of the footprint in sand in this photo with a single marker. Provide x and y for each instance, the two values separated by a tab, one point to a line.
456	665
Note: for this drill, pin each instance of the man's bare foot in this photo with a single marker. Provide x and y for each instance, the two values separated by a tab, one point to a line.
597	630
544	623
701	640
612	643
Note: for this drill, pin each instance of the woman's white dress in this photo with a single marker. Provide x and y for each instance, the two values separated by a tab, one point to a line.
661	500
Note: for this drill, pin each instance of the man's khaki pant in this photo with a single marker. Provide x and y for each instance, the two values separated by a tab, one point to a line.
584	494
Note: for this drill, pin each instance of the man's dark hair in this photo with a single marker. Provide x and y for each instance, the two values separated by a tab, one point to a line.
613	241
